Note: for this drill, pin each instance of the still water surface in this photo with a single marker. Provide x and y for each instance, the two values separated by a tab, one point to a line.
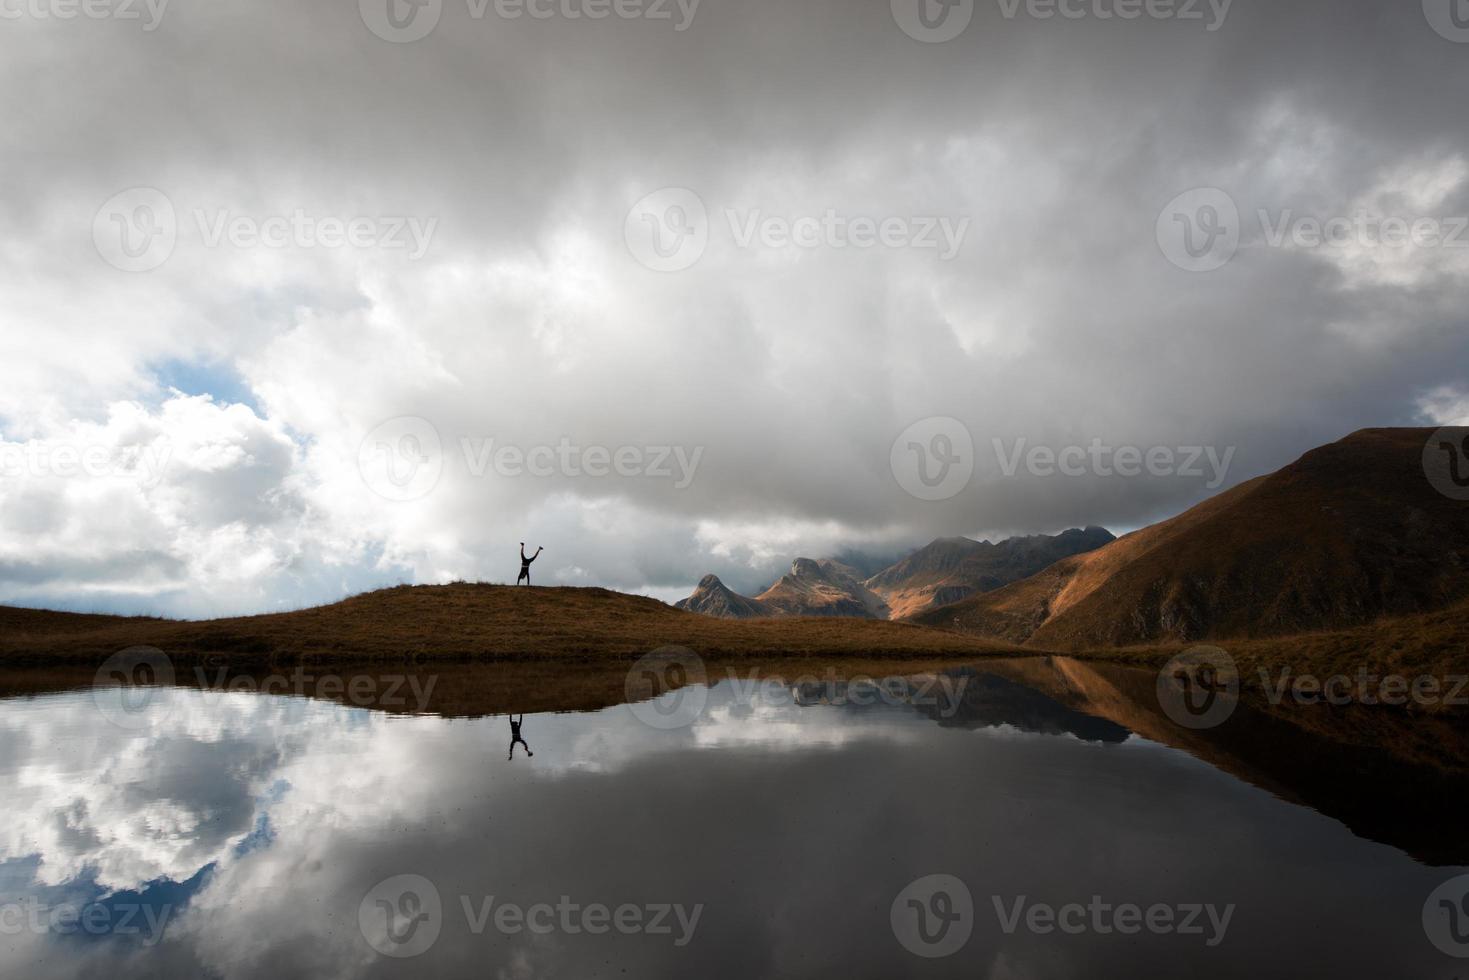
992	831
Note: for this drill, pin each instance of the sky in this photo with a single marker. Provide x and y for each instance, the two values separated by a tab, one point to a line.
300	300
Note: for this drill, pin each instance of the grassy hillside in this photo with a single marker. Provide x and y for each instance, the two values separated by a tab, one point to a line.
468	622
1347	535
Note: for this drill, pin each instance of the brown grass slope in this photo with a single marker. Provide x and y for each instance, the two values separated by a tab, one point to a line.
1349	533
467	622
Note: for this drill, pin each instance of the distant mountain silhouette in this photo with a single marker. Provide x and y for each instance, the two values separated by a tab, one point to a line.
713	598
811	588
1349	533
951	569
822	588
943	571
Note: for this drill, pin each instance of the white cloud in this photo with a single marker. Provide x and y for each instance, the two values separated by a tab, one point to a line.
528	321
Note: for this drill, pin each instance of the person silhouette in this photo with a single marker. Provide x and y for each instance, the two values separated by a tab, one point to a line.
525	564
515	738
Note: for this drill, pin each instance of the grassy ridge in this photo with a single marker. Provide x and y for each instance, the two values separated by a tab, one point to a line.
466	622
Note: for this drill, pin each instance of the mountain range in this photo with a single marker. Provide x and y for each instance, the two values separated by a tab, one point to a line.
1350	536
1351	533
941	572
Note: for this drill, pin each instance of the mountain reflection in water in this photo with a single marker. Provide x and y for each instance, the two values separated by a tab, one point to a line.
252	830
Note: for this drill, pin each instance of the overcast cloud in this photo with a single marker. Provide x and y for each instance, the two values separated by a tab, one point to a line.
497	281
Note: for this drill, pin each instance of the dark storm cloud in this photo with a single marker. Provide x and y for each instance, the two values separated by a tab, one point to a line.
1060	320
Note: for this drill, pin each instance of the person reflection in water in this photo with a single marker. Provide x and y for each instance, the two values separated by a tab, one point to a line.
515	738
525	564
